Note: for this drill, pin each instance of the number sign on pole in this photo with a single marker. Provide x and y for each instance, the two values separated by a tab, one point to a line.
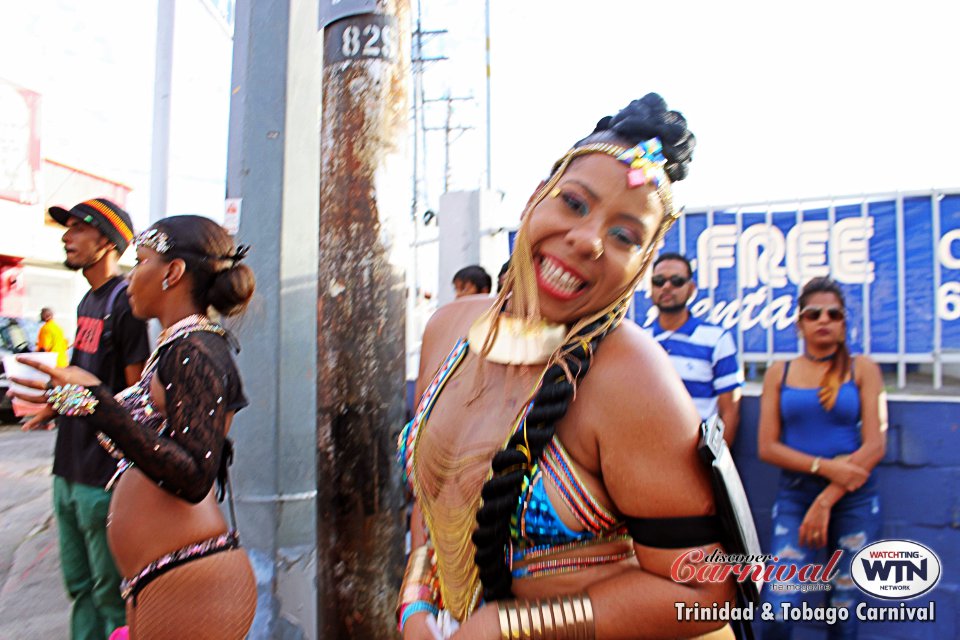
363	36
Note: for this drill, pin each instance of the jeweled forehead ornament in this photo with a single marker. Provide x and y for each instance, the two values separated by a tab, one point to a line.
646	160
153	239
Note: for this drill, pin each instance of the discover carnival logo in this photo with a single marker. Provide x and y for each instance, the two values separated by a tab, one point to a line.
889	569
895	569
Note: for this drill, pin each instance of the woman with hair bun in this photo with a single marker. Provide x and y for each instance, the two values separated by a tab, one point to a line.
823	420
184	573
553	454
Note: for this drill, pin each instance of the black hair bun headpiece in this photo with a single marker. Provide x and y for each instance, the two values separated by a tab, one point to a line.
647	118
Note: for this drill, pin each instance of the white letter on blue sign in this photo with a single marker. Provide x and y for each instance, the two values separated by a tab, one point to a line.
715	251
850	250
948	258
766	266
807	251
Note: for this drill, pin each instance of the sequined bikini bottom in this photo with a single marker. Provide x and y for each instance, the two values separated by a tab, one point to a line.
129	588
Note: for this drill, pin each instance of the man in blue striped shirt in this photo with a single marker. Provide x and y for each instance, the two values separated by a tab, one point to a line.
704	354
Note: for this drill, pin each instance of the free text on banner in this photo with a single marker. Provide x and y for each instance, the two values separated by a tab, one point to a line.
897	259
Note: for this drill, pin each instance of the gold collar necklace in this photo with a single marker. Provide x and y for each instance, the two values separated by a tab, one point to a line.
517	342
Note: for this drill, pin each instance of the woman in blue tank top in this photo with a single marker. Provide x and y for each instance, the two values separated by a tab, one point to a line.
823	419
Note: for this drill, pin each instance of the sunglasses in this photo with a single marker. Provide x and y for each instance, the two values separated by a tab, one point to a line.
813	313
676	281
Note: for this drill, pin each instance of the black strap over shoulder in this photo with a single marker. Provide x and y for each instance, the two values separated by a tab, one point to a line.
109	323
675	533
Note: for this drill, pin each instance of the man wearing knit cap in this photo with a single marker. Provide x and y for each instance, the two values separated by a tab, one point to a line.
112	345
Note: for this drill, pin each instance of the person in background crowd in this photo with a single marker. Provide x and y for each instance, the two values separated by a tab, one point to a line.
553	453
704	354
112	345
823	420
51	338
502	276
471	281
184	573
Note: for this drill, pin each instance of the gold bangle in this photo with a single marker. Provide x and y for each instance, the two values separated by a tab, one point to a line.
416	592
815	465
546	611
504	621
536	621
419	573
570	625
526	622
590	622
514	614
580	617
559	621
418	566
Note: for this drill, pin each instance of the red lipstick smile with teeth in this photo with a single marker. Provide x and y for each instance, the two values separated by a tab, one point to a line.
559	280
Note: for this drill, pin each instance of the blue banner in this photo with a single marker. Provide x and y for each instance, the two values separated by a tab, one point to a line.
896	259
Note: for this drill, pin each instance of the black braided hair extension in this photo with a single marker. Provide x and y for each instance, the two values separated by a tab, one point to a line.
647	118
502	491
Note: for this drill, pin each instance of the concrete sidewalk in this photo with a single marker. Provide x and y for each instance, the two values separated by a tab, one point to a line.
32	600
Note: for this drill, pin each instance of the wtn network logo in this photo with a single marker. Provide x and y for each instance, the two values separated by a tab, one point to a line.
895	569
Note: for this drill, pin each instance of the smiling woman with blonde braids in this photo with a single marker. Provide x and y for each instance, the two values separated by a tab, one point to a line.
553	455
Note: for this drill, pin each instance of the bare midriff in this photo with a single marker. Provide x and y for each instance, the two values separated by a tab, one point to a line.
146	522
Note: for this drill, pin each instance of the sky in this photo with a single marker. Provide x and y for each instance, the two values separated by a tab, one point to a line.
93	64
787	100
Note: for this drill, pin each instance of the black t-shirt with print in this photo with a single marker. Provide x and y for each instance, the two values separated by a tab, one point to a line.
104	348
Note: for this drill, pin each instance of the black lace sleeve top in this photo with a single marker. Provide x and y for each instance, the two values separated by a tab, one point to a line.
181	450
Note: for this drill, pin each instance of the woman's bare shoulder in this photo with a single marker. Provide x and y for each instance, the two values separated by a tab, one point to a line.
646	427
866	368
633	373
629	356
455	318
775	371
448	324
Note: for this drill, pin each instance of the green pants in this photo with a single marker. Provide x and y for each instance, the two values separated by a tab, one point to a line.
89	573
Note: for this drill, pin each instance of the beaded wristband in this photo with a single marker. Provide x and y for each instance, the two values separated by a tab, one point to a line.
415	607
72	400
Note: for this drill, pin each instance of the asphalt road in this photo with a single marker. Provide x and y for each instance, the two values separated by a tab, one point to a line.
32	601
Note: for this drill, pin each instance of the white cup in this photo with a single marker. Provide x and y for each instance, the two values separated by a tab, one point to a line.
14	369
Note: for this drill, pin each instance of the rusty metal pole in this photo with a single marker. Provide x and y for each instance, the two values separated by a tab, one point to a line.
361	309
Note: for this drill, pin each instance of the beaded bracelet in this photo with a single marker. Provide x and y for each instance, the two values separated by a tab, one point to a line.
72	400
416	607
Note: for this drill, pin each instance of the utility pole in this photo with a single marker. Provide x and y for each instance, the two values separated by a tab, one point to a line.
486	28
420	200
273	165
448	129
360	328
162	89
418	63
